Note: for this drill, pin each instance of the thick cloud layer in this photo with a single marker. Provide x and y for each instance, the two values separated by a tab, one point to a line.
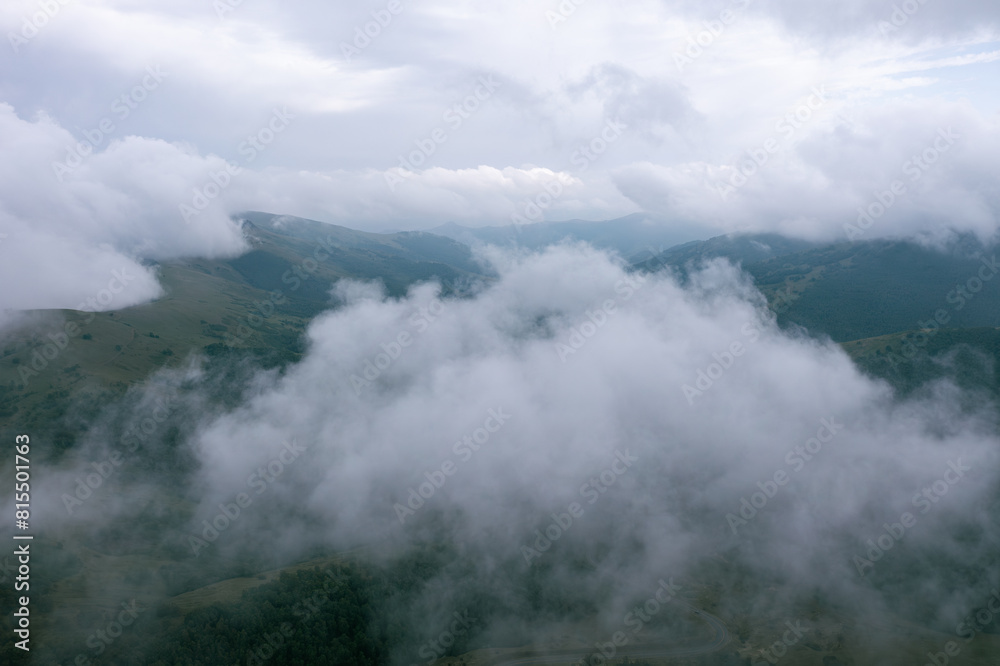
899	169
696	89
78	222
663	426
701	432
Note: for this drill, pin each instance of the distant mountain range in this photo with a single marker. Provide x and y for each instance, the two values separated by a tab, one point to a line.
634	236
258	303
905	313
872	296
858	290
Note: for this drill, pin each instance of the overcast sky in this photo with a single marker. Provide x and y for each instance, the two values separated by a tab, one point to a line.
312	117
770	115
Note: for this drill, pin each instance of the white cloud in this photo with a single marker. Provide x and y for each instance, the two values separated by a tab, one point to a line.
626	386
813	185
687	127
69	229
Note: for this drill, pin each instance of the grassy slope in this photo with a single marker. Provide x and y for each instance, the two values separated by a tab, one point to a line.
211	304
207	299
628	236
910	359
853	291
856	291
115	349
208	306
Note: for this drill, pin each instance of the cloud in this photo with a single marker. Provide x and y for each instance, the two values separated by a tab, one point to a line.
594	366
69	229
911	21
820	181
663	412
648	106
357	117
826	169
381	199
105	203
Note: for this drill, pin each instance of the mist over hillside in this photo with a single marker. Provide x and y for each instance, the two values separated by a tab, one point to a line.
660	333
521	438
634	236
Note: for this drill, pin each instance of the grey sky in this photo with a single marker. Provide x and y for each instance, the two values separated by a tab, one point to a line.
199	79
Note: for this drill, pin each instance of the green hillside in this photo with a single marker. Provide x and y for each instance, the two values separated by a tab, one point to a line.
910	360
743	249
214	608
631	236
852	291
258	303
